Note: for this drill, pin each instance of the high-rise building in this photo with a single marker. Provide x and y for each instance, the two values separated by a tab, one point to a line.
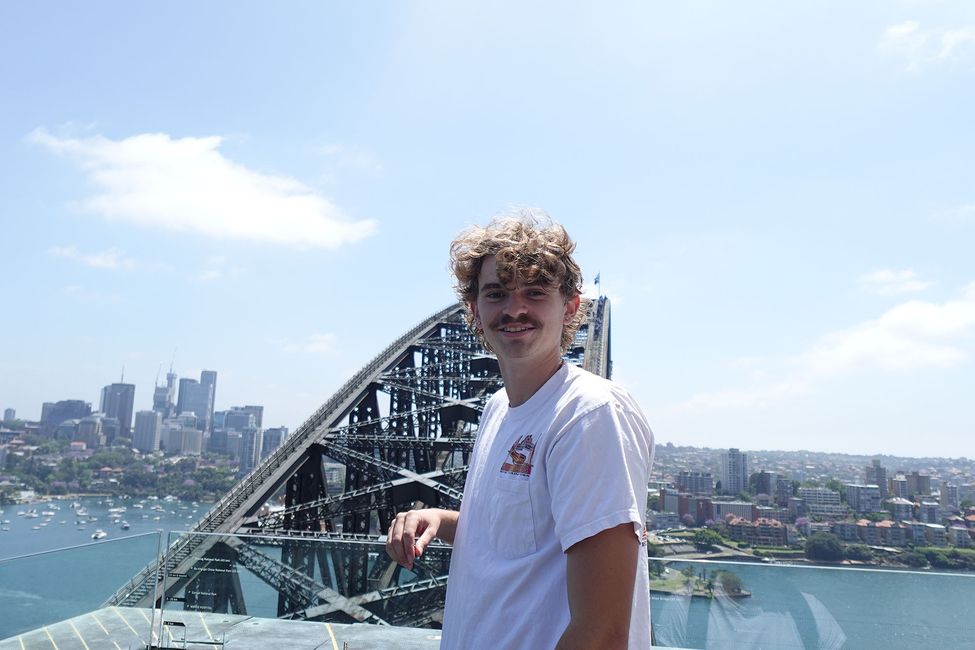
208	378
181	435
194	398
876	474
67	429
273	438
949	496
54	413
918	484
695	482
783	491
238	419
111	427
897	487
822	501
257	411
251	441
164	397
863	498
197	397
117	402
232	443
89	431
734	472
148	425
9	415
764	482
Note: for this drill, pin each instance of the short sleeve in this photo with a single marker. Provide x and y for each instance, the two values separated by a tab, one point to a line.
598	469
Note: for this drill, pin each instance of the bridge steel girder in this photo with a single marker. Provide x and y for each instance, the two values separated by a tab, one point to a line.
404	426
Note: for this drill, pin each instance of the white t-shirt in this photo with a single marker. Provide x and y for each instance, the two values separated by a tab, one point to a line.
572	461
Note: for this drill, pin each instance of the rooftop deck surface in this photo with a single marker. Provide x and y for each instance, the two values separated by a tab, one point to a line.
128	628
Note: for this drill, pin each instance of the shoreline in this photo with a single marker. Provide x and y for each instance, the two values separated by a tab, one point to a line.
805	562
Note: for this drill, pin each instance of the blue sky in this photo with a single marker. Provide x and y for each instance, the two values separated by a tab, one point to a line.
778	198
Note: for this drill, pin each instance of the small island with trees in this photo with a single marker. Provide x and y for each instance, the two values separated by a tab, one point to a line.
695	581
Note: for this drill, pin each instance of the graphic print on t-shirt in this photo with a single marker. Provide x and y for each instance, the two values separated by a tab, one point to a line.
519	458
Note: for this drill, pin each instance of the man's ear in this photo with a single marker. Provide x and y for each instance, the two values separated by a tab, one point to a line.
571	307
477	317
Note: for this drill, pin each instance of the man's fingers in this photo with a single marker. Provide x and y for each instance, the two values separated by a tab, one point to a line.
424	540
393	542
402	536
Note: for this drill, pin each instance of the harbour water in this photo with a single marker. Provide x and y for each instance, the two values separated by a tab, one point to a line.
67	526
40	584
790	607
824	608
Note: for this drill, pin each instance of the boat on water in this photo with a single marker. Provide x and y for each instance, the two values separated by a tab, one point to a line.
125	525
99	534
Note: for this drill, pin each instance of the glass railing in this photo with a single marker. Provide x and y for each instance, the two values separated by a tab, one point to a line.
219	588
707	604
59	594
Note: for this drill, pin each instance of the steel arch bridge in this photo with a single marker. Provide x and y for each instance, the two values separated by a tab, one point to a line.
403	427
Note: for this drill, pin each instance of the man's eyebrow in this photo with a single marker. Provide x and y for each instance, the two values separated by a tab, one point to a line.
490	286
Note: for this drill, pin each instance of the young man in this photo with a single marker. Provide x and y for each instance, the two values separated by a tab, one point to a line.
549	543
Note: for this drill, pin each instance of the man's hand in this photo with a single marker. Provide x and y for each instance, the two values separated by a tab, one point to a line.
412	531
600	571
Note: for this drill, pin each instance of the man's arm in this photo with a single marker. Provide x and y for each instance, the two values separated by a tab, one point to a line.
601	571
412	531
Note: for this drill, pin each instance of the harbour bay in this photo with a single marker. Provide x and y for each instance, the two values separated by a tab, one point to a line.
790	607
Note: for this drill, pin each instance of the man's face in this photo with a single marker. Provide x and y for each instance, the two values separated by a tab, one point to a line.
521	320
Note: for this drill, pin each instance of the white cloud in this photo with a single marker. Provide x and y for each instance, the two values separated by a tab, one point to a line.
749	397
888	282
108	259
914	335
322	343
910	336
187	185
921	47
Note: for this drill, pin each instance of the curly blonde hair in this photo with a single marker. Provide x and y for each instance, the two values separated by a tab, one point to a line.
529	248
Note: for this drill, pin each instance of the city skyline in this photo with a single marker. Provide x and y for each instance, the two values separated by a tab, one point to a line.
777	201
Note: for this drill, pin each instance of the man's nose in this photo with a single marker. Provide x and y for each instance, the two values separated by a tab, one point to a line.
517	304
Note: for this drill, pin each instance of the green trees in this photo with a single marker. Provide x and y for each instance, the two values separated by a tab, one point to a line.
837	486
656	568
705	539
824	547
727	581
914	559
858	552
